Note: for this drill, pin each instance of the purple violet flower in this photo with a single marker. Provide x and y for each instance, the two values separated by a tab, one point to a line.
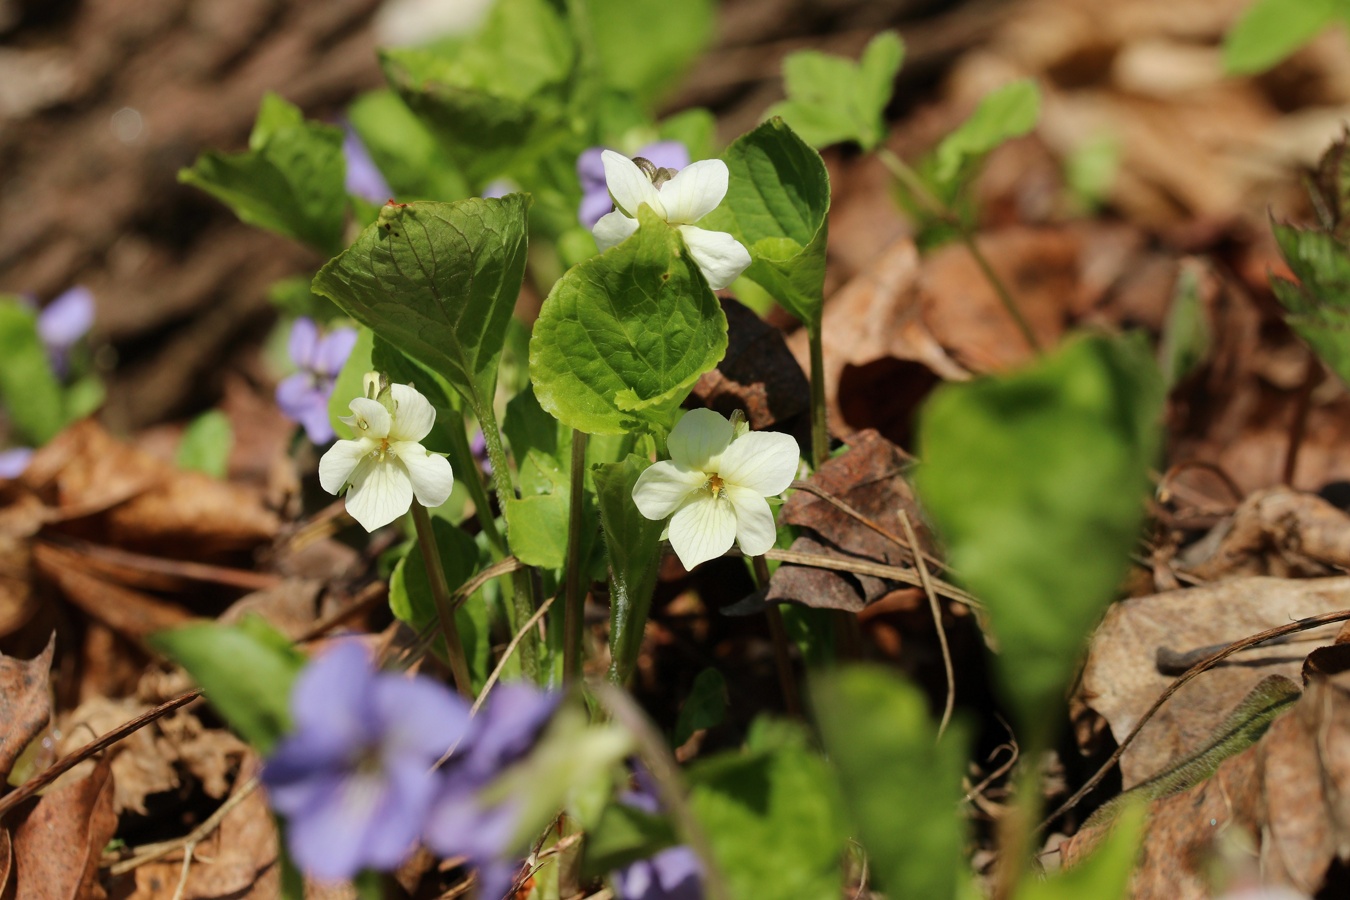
14	461
478	447
595	199
63	322
499	188
355	778
675	873
303	397
502	734
363	176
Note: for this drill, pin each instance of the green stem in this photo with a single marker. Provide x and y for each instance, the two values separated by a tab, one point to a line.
523	597
820	432
782	657
937	207
472	479
440	594
576	599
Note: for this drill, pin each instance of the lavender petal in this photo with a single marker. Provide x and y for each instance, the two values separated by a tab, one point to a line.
363	176
666	154
507	727
14	462
333	696
303	342
418	717
591	170
595	205
332	351
66	319
330	839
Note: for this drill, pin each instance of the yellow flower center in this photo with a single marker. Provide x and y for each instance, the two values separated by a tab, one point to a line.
379	452
715	486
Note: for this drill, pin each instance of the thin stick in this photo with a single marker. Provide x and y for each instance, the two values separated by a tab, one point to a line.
440	595
1204	665
152	852
782	655
937	624
506	654
820	430
877	570
575	602
181	890
665	772
70	760
914	184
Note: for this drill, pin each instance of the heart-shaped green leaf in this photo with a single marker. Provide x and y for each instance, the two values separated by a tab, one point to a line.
623	337
776	205
832	99
439	281
290	181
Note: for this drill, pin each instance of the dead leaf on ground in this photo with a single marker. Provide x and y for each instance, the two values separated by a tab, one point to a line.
6	861
1289	795
1121	677
25	703
58	844
291	606
132	614
869	478
140	767
1278	532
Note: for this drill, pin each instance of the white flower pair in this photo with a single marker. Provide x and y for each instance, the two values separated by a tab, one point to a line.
714	486
691	194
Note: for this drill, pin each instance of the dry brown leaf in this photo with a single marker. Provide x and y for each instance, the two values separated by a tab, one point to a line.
19	521
25	703
758	375
132	614
868	478
290	607
1121	678
210	755
1289	795
58	844
6	861
1279	532
142	764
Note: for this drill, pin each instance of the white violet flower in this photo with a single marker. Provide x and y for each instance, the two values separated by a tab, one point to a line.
386	465
714	486
690	195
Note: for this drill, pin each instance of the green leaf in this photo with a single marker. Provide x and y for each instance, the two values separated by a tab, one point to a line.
633	543
536	440
439	281
1105	875
246	671
1270	30
538	529
1036	482
623	836
623	337
206	443
644	46
411	600
705	707
293	296
774	821
290	181
31	393
776	204
409	156
1318	307
497	98
832	99
350	382
1006	113
901	785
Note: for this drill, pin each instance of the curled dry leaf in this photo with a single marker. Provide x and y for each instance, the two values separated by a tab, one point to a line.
1289	795
869	478
140	766
25	703
1279	532
1122	676
758	375
59	842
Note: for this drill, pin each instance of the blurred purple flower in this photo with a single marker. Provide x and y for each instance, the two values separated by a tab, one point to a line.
478	447
14	462
63	322
363	176
595	199
673	874
502	734
499	188
303	397
355	778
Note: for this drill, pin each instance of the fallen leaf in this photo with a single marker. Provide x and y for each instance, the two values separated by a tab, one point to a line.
25	703
869	478
130	613
291	606
1279	532
6	861
758	375
1121	677
140	765
19	521
58	844
1289	796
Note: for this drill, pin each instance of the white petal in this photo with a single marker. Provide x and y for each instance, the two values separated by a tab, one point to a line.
762	461
432	478
380	493
698	438
755	529
720	256
612	229
629	186
336	466
702	529
664	487
695	191
413	414
369	418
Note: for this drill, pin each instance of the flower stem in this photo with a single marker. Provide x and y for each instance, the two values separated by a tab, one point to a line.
782	658
820	432
461	456
576	599
921	192
523	596
440	594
